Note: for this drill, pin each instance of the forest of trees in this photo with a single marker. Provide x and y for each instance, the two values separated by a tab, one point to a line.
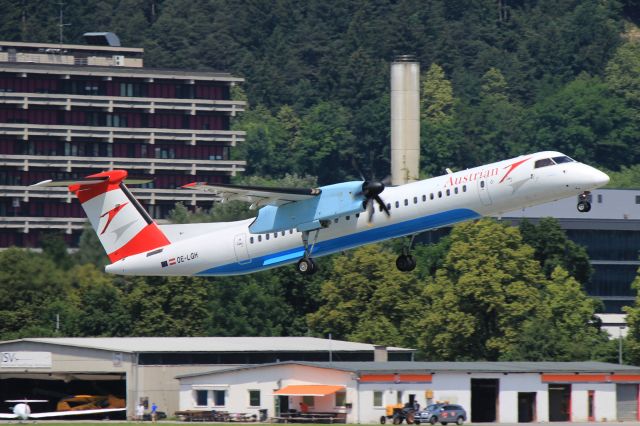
499	78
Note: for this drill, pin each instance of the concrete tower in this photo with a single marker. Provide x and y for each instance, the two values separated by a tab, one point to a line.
405	119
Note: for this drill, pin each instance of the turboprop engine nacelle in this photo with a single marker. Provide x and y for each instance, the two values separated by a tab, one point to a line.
334	201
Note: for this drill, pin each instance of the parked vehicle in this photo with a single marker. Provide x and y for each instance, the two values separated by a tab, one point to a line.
442	413
398	413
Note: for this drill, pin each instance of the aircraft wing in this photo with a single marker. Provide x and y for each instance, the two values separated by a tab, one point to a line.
256	195
73	413
8	416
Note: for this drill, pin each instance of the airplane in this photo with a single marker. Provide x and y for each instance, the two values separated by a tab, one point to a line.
22	411
295	225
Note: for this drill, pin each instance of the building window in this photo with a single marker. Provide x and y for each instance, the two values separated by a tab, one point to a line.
377	399
637	199
201	398
309	400
218	398
341	399
254	398
399	397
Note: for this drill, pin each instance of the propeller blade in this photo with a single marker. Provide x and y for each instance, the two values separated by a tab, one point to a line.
356	168
382	204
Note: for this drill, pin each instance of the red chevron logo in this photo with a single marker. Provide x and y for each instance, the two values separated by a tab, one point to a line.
112	213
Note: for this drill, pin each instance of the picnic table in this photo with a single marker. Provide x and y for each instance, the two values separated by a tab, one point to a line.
310	418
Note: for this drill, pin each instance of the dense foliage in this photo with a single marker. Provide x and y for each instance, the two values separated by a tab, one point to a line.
499	78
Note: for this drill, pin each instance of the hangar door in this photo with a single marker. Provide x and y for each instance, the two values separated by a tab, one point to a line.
627	402
106	391
559	402
484	400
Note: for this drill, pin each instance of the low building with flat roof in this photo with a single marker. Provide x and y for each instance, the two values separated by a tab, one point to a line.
144	368
361	392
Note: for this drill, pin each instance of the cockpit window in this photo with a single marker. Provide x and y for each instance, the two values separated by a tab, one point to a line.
543	163
563	159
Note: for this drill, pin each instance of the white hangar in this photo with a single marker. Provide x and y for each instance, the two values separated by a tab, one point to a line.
358	392
145	368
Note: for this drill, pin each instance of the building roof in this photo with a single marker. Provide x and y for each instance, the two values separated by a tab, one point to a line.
113	71
20	44
448	367
207	344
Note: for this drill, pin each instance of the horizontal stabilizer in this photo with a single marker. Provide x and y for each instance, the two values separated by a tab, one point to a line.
86	181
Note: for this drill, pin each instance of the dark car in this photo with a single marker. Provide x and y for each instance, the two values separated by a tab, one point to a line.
443	413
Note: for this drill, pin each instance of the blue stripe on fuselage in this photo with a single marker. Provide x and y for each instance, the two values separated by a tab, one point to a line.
345	242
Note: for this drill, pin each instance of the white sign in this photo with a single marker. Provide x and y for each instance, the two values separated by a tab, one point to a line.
25	360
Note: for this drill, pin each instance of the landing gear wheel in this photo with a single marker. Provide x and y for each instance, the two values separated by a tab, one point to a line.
405	263
584	206
307	266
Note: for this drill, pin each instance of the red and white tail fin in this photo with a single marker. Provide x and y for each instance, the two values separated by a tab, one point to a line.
123	226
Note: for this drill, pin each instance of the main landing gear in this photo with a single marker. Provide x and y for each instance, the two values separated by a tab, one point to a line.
306	265
584	204
405	262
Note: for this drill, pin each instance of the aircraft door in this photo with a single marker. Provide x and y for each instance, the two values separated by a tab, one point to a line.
483	192
241	249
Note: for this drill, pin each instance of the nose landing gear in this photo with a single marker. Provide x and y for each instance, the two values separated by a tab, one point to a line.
584	202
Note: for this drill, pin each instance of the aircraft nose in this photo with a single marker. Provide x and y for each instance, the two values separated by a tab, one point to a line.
601	178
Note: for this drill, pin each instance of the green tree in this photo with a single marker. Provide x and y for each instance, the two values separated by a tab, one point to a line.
563	329
632	341
553	249
439	133
166	306
488	286
366	288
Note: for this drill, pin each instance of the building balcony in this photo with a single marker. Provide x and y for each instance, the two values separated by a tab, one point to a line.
149	196
25	131
108	103
67	224
148	165
25	223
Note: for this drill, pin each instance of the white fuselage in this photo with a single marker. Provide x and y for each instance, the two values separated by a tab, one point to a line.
229	248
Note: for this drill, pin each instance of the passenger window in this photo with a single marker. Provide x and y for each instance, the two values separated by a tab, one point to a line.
266	236
348	218
415	200
455	190
448	192
406	202
397	204
424	198
283	233
388	206
357	214
291	231
481	184
251	240
439	194
464	188
543	163
275	235
259	238
335	220
431	196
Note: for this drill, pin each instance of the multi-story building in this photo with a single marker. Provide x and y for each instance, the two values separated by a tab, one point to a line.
67	111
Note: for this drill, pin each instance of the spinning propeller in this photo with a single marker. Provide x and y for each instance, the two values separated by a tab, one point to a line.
371	190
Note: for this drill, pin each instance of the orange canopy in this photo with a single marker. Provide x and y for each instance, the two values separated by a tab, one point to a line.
309	390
